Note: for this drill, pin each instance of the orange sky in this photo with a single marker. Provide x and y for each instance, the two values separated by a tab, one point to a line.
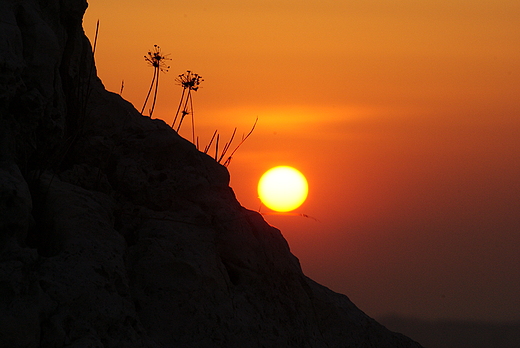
404	116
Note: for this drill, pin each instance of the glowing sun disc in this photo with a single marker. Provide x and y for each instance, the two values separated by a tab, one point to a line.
283	188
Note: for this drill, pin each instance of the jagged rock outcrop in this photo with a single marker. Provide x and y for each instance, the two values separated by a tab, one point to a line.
116	232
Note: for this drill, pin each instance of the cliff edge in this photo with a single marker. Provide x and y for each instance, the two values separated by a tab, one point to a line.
117	232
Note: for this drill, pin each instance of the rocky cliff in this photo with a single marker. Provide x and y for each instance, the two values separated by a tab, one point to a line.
116	232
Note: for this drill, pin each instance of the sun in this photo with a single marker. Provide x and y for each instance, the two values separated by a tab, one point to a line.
283	188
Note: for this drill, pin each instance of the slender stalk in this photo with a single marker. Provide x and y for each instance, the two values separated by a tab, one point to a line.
155	92
157	60
95	39
288	213
192	120
190	82
216	147
178	108
228	160
149	91
228	144
184	109
206	149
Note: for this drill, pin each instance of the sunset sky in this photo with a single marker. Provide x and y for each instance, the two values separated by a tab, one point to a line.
403	115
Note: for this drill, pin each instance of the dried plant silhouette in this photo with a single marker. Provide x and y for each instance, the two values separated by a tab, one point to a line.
156	60
228	144
288	214
216	138
189	82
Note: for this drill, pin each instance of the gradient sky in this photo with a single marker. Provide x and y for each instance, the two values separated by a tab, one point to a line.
403	115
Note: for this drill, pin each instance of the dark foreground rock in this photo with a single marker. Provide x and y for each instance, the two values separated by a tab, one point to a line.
116	232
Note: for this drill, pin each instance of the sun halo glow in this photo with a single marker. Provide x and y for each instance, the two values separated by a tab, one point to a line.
283	188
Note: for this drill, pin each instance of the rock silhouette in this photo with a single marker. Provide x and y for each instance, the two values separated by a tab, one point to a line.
117	232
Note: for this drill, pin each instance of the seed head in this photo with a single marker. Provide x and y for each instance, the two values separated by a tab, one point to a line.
189	80
156	59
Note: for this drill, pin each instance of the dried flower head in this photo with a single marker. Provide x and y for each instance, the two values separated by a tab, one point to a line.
189	80
156	59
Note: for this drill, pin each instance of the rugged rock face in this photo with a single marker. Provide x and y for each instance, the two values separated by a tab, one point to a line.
116	232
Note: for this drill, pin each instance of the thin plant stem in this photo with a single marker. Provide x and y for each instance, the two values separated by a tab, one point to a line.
155	92
228	144
179	107
95	39
206	149
228	160
216	147
288	214
184	111
149	91
190	82
192	120
157	60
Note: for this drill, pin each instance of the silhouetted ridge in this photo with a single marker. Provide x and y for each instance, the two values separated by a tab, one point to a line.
117	232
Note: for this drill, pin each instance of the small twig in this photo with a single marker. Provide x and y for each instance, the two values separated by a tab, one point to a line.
184	111
95	39
216	147
228	144
206	149
149	92
178	108
289	213
228	160
155	92
192	120
155	59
